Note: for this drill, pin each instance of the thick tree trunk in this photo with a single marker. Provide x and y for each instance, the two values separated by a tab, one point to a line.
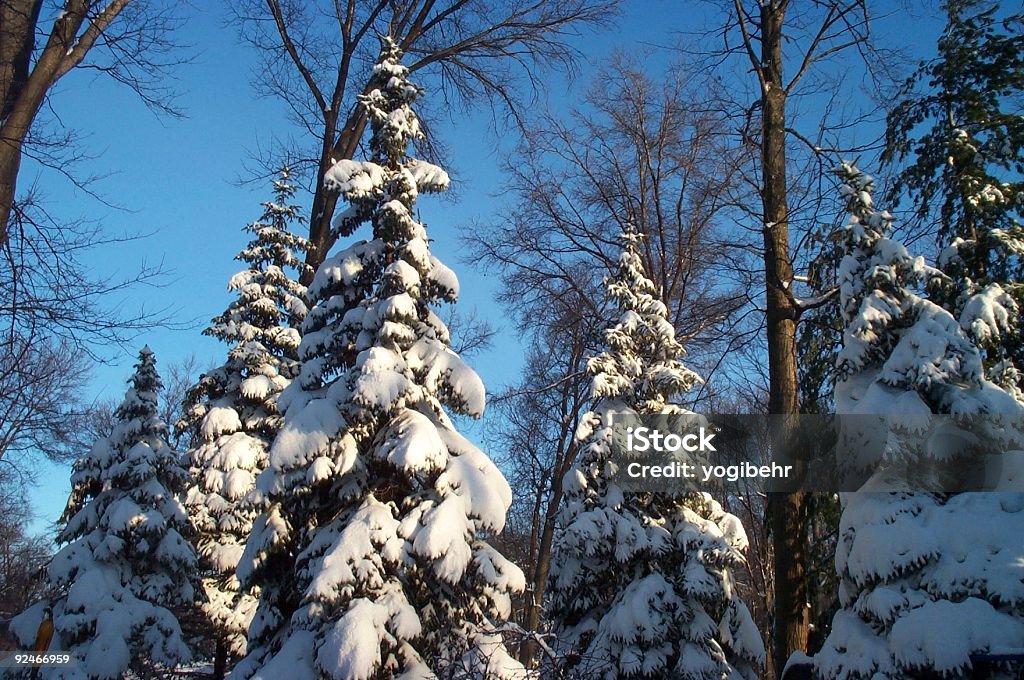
12	139
787	512
321	237
24	88
18	20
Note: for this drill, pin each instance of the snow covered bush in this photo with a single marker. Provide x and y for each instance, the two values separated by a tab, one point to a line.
125	559
371	557
926	579
231	414
641	584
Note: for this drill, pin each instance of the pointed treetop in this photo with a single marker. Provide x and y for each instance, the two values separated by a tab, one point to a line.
140	399
643	359
393	122
857	188
894	334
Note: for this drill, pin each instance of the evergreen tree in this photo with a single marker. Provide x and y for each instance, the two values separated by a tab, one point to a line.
371	556
231	414
964	139
926	579
126	560
641	584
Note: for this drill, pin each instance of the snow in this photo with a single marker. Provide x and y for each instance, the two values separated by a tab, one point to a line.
445	371
989	313
428	177
641	586
345	267
412	444
926	580
220	420
445	279
374	503
476	479
351	650
354	180
382	380
256	387
293	661
309	431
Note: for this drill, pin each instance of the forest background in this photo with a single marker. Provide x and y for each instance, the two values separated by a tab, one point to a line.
186	185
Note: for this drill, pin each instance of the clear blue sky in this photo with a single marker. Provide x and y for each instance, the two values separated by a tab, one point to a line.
177	179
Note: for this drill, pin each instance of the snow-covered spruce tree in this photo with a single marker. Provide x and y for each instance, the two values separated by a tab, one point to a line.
926	579
231	414
964	139
371	557
641	583
126	559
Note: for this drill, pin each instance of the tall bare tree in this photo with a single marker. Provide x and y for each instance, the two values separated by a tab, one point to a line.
538	419
639	152
635	154
131	39
316	57
770	36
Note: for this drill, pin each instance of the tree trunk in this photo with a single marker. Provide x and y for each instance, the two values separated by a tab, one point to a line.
534	607
787	512
220	659
24	89
321	237
18	20
531	619
12	139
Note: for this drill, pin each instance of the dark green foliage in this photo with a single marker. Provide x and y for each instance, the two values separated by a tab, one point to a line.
958	131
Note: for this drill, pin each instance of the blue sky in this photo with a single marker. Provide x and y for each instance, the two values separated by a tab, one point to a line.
177	178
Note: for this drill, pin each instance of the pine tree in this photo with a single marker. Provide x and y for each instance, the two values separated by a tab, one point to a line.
964	139
641	584
926	579
126	559
231	414
371	557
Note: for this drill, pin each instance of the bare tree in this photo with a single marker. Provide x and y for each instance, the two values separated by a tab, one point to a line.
470	332
41	407
23	557
47	291
639	155
769	37
131	39
316	57
536	423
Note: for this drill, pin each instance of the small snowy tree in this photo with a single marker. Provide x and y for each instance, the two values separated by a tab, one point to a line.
964	138
231	414
126	560
926	579
371	556
641	583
